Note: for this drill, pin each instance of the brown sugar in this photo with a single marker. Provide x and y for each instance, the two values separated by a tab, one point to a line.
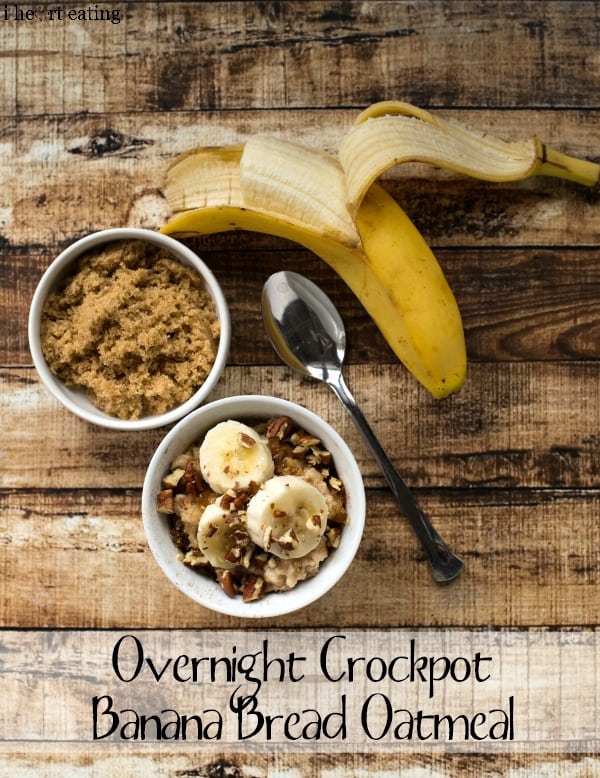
133	328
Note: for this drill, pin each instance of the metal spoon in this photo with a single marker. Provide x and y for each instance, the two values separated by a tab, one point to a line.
308	334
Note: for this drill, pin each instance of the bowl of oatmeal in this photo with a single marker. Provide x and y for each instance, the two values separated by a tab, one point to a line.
253	506
129	329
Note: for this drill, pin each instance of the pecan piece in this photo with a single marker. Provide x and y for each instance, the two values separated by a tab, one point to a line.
335	484
246	441
313	523
191	482
254	588
289	540
241	501
304	440
226	500
279	427
333	537
234	555
227	582
165	502
267	538
258	559
171	480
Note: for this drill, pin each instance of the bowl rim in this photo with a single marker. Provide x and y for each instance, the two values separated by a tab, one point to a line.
75	400
204	590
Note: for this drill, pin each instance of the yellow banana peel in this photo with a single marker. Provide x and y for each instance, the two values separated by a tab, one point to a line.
391	133
334	208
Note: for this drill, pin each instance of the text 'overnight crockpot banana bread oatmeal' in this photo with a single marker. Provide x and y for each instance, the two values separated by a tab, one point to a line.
258	506
133	327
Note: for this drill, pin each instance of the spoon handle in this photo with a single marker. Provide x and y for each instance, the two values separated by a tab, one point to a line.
445	565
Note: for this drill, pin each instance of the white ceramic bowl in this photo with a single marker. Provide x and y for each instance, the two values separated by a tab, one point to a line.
201	588
75	400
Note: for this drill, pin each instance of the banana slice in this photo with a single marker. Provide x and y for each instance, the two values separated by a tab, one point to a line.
287	517
232	455
222	537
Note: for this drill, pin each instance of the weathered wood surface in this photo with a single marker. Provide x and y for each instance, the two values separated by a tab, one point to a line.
97	762
508	427
91	113
539	547
223	55
113	165
518	304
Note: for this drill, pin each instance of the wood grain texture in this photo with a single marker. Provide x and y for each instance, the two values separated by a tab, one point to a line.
91	114
519	304
97	761
68	175
245	55
510	426
81	560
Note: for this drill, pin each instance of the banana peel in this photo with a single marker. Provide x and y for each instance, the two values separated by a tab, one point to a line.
333	207
391	133
410	302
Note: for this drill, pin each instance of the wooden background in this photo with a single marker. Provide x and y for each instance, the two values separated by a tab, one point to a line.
91	115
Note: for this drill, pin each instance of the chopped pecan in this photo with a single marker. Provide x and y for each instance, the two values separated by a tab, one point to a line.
289	540
241	501
241	536
191	482
226	500
254	588
304	439
258	559
333	537
171	480
234	555
246	441
335	484
318	456
266	542
165	502
227	581
247	555
252	488
279	427
314	523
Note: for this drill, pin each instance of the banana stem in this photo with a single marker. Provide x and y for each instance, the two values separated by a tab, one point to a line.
555	163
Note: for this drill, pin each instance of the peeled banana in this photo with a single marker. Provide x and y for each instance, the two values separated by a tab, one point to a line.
333	207
421	322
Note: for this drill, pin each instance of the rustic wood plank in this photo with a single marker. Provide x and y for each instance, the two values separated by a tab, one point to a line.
539	669
512	425
92	113
186	56
81	560
66	176
98	760
519	304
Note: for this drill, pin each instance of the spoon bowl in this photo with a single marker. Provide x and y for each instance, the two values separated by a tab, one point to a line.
308	334
305	328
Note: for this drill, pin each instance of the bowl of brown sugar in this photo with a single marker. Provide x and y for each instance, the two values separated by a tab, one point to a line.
129	329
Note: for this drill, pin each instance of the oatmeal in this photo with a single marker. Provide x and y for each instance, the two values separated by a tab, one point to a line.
257	506
132	327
